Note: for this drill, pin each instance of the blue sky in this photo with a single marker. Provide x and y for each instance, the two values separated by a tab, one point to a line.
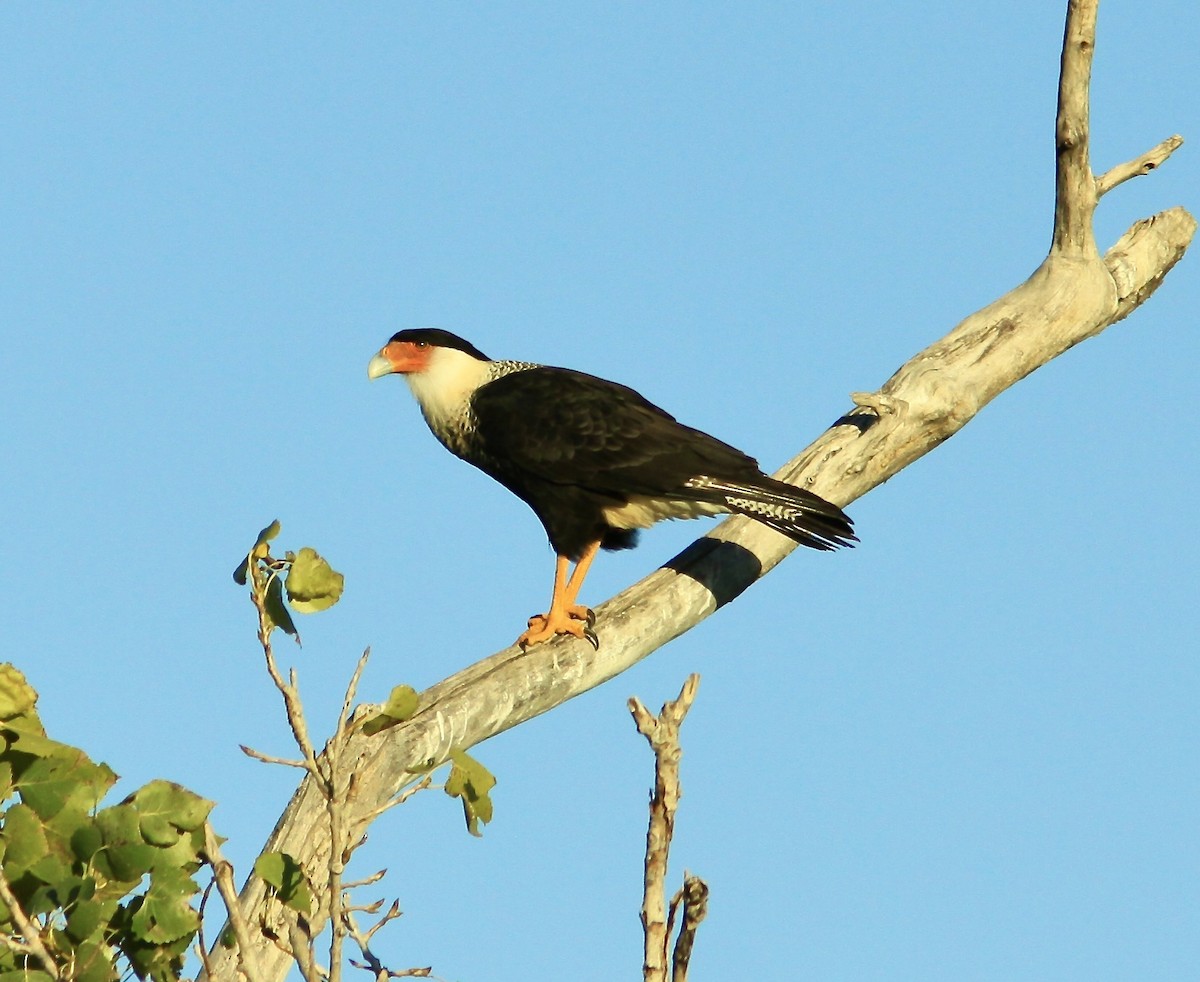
965	750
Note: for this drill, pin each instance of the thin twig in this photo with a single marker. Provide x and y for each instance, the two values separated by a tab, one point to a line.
373	878
223	875
351	690
398	799
201	947
1139	166
260	584
672	912
371	962
392	913
300	944
269	759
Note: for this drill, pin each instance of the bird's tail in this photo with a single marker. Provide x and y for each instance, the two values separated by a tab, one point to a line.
801	515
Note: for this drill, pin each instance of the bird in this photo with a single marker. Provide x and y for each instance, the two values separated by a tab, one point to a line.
595	460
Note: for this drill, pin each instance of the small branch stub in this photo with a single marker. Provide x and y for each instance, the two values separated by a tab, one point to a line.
1139	166
694	897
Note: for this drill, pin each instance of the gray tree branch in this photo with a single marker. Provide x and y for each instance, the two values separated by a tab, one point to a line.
1073	295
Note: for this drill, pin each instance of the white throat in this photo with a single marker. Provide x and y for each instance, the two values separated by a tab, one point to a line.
445	386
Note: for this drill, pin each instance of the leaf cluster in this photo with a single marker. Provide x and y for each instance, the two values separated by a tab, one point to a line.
105	889
308	581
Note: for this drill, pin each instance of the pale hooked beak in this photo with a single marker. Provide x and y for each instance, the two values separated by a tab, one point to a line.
379	366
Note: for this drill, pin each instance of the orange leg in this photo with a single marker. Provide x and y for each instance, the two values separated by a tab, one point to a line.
564	615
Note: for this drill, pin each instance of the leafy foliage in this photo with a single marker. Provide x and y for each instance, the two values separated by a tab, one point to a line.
311	584
472	782
105	889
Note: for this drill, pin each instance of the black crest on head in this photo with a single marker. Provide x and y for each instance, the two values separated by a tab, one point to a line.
440	339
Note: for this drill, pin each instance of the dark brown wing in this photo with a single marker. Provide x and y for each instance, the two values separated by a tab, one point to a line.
600	442
568	427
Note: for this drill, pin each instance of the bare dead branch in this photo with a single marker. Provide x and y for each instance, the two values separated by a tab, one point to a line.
662	732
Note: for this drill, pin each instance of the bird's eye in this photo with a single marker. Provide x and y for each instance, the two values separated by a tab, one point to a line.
421	344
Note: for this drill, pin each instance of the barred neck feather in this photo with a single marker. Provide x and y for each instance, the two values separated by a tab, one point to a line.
444	389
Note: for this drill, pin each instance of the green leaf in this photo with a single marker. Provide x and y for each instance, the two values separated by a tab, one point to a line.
241	574
92	961
16	695
401	705
26	735
260	551
86	841
312	584
125	855
183	855
55	872
165	914
277	612
282	873
157	962
167	809
472	782
86	917
46	885
127	862
69	778
24	839
267	534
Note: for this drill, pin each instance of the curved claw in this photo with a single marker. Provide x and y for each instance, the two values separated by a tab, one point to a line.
578	622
